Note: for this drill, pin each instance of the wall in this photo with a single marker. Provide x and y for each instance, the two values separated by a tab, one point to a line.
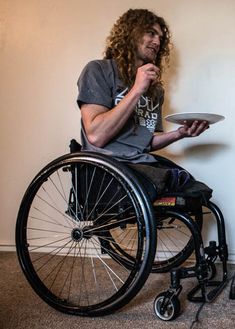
45	44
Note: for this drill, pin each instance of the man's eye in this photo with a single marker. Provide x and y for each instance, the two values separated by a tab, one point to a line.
151	33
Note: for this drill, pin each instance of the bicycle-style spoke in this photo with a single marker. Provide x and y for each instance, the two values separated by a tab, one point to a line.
172	238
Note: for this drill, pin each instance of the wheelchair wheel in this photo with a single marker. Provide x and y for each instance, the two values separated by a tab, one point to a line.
64	235
175	243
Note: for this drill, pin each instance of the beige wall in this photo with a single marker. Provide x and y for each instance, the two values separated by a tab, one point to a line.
43	47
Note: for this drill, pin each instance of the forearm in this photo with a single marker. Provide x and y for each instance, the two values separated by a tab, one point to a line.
160	141
102	126
192	130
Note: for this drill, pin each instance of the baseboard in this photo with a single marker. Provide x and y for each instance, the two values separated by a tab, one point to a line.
231	256
9	247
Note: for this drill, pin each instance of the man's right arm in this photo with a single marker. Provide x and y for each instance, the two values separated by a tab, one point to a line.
102	124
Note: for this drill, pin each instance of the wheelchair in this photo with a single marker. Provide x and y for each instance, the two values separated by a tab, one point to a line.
89	232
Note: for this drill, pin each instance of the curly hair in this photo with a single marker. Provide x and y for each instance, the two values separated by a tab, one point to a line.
122	42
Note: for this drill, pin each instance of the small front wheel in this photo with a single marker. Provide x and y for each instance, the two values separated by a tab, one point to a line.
166	307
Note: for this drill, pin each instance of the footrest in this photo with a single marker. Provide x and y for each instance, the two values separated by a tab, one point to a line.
220	285
195	299
211	295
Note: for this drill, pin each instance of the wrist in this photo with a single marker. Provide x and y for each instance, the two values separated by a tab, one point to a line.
136	90
179	133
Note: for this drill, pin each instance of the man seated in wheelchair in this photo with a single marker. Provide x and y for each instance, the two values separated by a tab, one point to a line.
121	98
94	259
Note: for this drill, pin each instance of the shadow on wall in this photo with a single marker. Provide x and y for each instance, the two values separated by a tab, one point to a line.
202	150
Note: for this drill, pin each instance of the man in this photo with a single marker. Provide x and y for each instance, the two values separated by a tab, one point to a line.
121	96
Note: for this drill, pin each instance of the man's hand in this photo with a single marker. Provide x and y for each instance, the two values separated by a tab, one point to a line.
193	129
146	74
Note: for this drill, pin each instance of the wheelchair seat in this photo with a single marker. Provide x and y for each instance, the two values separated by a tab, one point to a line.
193	189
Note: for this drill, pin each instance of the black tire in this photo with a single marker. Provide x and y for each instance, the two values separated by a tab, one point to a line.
65	245
171	309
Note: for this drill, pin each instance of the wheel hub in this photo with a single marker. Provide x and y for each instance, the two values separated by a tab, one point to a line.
77	234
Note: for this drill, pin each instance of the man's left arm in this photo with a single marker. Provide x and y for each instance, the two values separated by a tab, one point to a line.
162	140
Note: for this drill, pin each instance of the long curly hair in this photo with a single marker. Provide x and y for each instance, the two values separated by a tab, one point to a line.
122	43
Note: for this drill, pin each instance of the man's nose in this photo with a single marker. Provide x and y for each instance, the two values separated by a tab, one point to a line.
157	40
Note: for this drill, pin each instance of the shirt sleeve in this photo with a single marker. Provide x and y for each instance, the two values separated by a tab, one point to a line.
93	86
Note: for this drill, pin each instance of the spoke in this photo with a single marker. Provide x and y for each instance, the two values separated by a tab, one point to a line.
83	280
72	271
114	217
108	267
96	203
88	191
109	225
168	235
108	252
44	230
163	249
51	257
67	218
95	277
101	186
47	244
75	191
69	277
175	236
63	196
177	227
131	236
54	222
106	210
60	264
117	243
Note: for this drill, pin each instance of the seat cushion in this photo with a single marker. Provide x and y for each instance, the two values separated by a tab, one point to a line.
156	183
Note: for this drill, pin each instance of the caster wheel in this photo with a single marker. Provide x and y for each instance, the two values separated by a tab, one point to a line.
165	307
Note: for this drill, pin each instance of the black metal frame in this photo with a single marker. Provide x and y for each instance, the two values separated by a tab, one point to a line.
204	256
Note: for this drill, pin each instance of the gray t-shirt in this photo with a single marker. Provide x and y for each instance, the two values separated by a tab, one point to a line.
99	84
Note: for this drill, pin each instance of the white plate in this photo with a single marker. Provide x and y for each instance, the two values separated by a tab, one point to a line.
192	116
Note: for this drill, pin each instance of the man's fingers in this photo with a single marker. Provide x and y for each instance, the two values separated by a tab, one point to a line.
198	127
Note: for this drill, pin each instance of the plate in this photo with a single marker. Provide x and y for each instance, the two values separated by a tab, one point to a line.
192	116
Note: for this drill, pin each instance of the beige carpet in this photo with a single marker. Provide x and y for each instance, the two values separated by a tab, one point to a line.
21	308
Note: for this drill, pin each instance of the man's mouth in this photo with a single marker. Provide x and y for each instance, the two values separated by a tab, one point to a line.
153	50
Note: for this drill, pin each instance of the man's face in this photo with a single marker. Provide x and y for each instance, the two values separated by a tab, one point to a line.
148	46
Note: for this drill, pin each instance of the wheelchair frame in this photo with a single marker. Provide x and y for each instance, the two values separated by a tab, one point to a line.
54	242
